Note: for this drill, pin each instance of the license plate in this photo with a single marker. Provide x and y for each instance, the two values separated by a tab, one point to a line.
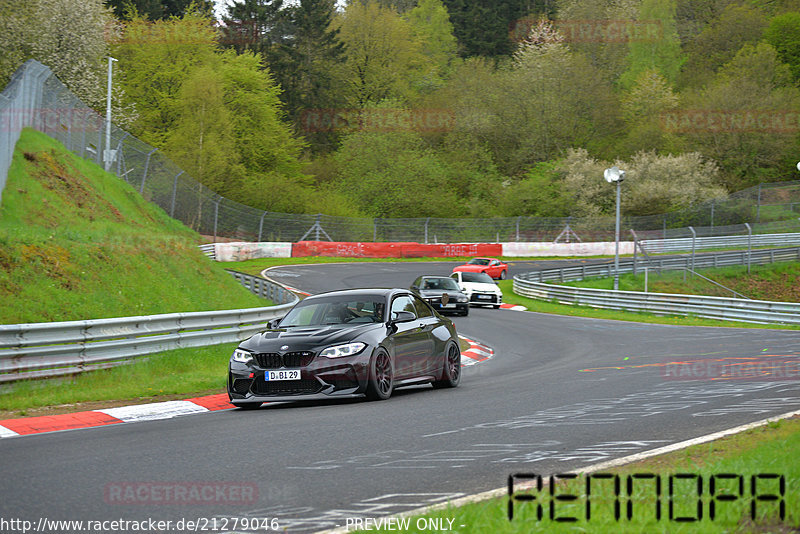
485	297
284	374
447	305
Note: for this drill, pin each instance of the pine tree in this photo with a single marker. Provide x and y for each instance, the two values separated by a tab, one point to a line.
253	25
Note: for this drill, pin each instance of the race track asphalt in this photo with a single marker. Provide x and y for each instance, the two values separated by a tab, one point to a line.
559	394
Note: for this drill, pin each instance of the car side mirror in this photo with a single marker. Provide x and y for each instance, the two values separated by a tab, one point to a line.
403	317
273	324
414	288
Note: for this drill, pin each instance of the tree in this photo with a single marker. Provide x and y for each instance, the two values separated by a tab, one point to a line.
783	33
264	145
583	24
154	60
201	140
304	65
482	27
383	59
745	119
559	101
430	24
661	52
253	25
643	107
539	193
393	173
654	184
69	36
717	43
158	9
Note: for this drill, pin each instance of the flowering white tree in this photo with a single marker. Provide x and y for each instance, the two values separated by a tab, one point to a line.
69	36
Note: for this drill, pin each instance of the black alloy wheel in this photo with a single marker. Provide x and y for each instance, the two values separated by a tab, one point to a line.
381	377
451	373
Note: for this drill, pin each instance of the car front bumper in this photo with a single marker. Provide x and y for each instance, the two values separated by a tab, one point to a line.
323	378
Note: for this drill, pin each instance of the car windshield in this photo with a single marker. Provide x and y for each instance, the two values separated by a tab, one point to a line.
340	309
478	261
439	283
481	278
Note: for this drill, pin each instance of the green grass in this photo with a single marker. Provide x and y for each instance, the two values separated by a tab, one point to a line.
177	372
79	243
777	282
755	452
555	308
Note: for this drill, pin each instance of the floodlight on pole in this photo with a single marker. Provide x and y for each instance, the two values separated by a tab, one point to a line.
107	152
614	174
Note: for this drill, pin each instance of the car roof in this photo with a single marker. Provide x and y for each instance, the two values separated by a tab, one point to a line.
361	292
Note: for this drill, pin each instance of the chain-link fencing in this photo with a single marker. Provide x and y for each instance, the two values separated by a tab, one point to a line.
36	98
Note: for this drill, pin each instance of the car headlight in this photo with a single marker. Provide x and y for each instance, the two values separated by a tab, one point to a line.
242	356
340	351
463	299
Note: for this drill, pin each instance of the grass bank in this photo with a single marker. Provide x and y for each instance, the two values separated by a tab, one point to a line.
79	243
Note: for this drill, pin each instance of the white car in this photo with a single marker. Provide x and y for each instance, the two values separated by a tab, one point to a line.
480	288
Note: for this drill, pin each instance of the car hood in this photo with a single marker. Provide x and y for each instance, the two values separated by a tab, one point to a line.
431	293
306	338
471	268
480	286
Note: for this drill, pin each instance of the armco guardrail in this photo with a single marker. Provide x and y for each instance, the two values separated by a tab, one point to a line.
698	261
726	309
54	349
704	243
532	285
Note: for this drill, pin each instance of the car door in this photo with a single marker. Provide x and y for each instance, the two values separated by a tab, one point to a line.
427	360
494	269
409	339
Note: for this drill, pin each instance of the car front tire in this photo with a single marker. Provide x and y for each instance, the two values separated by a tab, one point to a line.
451	369
381	377
503	275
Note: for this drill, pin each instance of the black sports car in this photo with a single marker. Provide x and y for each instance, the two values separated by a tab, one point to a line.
442	293
342	344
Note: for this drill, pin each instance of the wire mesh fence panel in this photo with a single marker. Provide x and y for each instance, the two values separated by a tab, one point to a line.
36	98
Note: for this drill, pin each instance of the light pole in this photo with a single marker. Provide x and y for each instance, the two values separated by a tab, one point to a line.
107	152
614	174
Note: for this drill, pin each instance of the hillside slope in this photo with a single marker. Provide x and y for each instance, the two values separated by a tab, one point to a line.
79	243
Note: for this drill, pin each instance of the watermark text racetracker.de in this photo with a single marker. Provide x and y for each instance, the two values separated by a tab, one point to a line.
731	121
11	525
380	120
180	493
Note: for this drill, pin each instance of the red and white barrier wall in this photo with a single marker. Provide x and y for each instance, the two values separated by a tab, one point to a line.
247	251
240	251
603	248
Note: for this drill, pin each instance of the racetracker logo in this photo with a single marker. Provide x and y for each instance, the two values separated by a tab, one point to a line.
773	368
377	120
594	31
52	121
180	493
736	121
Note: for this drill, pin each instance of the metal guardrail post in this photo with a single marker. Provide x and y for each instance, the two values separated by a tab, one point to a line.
694	239
750	237
216	218
174	190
